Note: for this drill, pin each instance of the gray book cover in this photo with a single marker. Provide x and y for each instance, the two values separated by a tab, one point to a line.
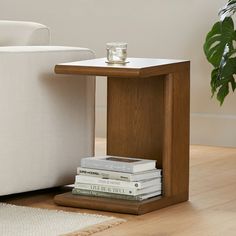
122	164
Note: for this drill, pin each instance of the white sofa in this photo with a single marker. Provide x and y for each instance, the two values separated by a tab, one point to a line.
46	120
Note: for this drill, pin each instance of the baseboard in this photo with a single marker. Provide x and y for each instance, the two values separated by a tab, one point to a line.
213	129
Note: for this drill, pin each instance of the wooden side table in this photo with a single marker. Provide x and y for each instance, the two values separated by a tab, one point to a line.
147	117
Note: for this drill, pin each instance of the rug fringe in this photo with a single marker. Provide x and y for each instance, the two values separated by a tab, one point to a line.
96	228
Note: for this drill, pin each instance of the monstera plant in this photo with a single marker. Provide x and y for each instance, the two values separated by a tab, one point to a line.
220	51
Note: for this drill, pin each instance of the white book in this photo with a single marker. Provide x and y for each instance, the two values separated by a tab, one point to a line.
107	174
118	190
119	183
122	164
84	192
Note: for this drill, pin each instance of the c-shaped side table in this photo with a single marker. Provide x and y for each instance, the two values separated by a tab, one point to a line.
147	117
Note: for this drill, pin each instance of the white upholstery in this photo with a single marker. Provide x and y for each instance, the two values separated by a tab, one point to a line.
46	120
21	33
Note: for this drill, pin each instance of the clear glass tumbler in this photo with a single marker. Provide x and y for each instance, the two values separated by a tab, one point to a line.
116	52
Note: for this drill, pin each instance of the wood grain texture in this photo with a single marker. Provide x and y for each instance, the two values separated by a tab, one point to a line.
137	67
211	210
180	134
115	205
102	204
135	117
147	117
176	138
167	135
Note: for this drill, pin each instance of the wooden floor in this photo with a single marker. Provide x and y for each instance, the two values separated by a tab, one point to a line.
211	210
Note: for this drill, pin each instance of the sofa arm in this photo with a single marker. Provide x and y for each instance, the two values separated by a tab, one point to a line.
47	120
60	53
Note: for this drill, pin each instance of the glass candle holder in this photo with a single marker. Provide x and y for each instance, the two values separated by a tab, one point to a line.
116	52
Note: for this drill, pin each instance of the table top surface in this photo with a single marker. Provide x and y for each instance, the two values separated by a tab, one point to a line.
134	67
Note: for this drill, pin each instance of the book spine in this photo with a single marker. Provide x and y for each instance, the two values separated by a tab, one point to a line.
106	182
107	189
104	174
83	192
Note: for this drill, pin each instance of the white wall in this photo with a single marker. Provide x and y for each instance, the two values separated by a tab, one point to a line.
152	28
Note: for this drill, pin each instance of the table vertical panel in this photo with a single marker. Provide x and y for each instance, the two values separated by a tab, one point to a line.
180	134
135	117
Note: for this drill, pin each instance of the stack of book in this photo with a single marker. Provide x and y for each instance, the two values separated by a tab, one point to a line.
118	177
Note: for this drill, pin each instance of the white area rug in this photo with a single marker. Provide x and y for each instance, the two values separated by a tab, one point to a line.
26	221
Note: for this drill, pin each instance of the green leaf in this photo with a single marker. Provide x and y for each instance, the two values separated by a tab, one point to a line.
229	68
220	51
214	76
233	83
228	10
218	39
222	93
